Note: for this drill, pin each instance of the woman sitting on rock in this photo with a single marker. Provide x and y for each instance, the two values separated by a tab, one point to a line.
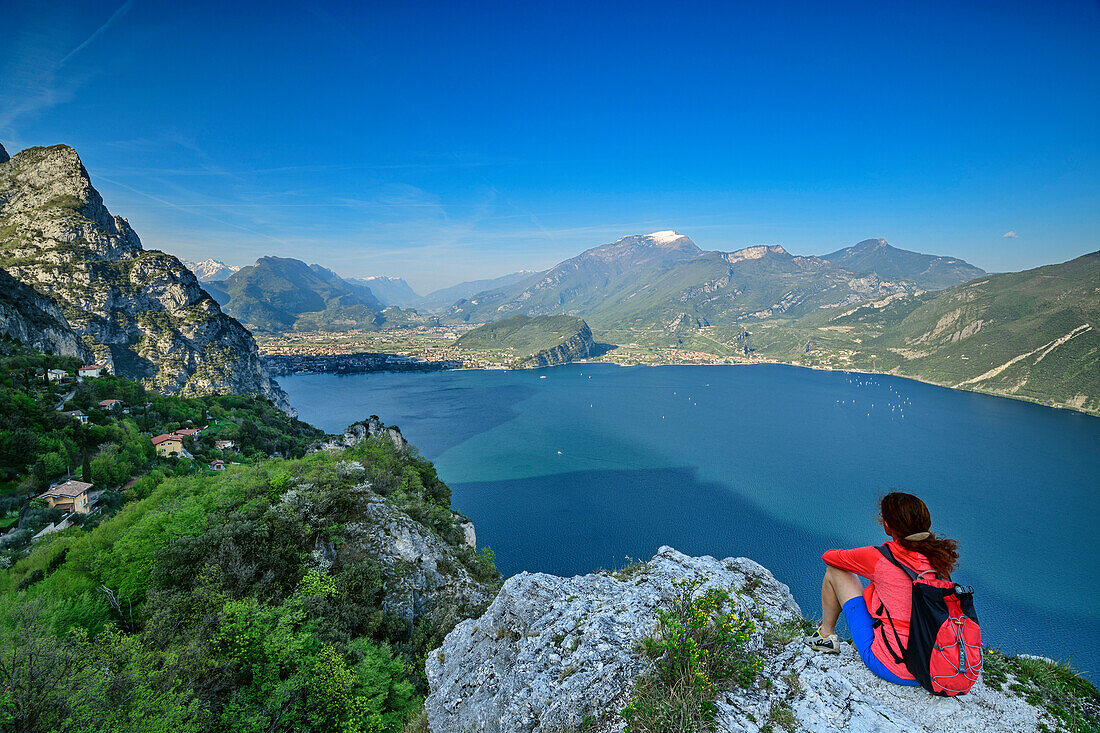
876	612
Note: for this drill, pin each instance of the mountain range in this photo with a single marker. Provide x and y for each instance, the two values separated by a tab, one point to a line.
395	291
271	294
284	294
389	290
927	271
663	283
79	282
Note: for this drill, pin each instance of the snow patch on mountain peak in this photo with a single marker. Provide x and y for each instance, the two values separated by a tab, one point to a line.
666	236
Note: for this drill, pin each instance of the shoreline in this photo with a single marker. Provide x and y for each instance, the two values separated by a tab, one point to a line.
1018	398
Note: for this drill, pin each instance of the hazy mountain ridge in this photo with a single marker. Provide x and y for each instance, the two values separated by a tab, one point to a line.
389	290
271	294
139	311
442	299
929	272
279	294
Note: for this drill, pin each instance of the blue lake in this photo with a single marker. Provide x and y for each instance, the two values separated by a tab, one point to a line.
576	468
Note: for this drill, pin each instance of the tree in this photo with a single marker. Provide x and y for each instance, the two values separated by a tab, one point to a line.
34	667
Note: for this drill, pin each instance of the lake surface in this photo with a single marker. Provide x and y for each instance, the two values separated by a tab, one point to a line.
576	468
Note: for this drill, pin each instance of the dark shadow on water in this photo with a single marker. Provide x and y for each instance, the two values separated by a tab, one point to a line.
575	523
435	411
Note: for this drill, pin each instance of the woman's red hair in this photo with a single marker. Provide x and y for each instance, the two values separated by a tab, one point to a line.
903	515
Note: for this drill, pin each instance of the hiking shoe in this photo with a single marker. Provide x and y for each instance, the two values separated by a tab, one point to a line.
828	644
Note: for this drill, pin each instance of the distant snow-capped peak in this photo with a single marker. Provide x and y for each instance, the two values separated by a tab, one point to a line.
667	236
211	269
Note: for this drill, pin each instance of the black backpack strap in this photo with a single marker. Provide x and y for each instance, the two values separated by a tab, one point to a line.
912	575
886	640
885	550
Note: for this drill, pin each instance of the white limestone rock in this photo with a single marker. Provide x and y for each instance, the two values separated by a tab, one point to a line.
418	566
360	431
35	320
550	651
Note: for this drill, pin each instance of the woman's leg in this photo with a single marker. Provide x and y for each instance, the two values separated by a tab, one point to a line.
837	588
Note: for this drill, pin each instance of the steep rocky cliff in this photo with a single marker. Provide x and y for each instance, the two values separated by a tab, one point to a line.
30	317
561	654
534	341
578	346
141	312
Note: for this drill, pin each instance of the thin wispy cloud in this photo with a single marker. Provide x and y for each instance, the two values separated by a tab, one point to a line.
1010	235
121	11
179	207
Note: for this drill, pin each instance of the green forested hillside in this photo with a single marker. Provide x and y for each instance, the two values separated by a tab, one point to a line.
523	334
271	294
1031	334
271	596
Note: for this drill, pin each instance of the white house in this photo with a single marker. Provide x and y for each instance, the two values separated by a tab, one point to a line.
55	375
77	415
91	370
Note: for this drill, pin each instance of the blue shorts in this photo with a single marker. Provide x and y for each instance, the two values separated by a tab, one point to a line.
862	627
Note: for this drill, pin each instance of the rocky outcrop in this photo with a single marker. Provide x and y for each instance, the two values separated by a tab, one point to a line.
551	654
141	312
418	567
359	431
425	570
578	346
35	320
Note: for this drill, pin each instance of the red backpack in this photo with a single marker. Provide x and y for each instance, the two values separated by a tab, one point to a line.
944	652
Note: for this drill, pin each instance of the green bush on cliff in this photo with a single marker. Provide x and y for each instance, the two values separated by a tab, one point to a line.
699	648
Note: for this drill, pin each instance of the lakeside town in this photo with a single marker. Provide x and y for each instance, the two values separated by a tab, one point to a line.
429	348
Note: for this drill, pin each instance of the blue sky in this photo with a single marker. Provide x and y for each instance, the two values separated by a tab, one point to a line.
446	141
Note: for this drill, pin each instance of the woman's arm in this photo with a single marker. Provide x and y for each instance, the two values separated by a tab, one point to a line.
861	560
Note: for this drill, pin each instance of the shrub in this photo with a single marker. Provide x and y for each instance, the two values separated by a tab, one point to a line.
57	560
699	648
30	579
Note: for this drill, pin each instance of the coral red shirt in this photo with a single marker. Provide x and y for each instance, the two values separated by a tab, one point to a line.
889	597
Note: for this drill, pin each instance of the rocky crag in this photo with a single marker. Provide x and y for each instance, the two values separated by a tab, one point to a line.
578	346
359	431
35	320
536	341
560	654
139	311
424	570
